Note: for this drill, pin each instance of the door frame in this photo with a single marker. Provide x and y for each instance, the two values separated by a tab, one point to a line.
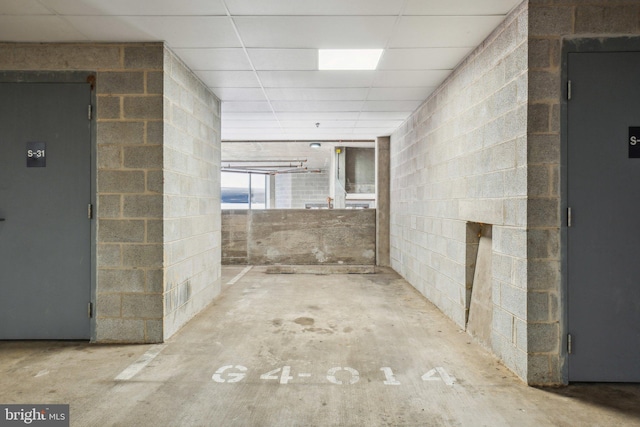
575	45
73	77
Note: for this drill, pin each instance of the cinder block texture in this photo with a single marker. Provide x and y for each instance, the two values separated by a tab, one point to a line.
461	158
294	190
549	22
137	146
191	197
129	203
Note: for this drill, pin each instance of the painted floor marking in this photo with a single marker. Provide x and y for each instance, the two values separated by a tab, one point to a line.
42	373
237	373
139	364
433	375
239	276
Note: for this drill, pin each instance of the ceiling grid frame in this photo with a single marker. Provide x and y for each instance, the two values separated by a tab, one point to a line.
279	85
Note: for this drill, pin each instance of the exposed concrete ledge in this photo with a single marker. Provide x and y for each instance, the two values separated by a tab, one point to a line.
299	237
320	269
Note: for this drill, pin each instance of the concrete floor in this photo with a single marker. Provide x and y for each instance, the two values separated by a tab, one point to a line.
303	350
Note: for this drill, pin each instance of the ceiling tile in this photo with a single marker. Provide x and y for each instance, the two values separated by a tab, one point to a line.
316	79
229	78
256	135
226	137
372	132
307	138
443	31
243	124
316	133
284	59
137	7
438	58
239	94
317	116
311	124
247	116
425	78
384	115
407	106
254	132
282	37
379	124
214	59
317	94
249	106
316	105
36	28
178	32
335	134
399	93
334	32
459	7
315	7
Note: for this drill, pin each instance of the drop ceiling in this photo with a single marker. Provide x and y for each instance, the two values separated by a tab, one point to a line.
260	56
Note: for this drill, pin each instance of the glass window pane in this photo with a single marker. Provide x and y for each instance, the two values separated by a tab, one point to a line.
258	191
234	192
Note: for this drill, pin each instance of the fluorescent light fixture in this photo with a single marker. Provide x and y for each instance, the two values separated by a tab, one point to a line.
348	59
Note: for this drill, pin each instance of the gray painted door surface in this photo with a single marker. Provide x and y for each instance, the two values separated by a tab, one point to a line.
45	247
603	258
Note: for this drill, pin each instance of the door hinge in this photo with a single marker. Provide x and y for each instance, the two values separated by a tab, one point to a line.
569	90
90	211
90	310
569	217
569	344
89	111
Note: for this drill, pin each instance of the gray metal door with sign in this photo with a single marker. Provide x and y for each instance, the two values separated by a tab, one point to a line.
45	189
603	234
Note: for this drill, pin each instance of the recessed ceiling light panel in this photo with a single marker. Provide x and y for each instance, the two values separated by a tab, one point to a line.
348	59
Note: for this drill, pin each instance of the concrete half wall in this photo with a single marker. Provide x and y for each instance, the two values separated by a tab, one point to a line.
299	237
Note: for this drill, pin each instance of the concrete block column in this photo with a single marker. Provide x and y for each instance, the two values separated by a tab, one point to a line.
271	199
383	170
130	206
338	178
157	146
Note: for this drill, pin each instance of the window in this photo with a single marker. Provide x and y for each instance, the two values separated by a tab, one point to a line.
243	190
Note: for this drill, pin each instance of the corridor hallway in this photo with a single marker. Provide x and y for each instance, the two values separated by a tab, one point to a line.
303	350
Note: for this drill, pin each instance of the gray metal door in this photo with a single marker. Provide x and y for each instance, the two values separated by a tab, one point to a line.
45	185
603	240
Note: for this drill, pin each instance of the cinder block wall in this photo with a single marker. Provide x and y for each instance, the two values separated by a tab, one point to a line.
461	158
129	212
137	135
551	21
294	190
192	240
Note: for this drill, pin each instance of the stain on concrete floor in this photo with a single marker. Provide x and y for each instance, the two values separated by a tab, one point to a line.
258	356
